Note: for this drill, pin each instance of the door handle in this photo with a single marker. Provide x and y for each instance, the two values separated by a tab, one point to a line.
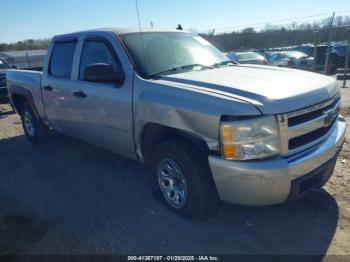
48	88
80	94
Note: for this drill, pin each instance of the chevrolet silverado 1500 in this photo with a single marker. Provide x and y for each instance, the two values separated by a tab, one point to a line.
210	128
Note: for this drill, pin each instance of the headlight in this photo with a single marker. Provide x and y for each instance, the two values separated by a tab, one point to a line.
250	139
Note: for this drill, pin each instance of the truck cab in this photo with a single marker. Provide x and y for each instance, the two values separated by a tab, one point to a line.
81	103
211	129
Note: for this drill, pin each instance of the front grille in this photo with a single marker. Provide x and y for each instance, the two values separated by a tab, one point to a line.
308	127
3	92
2	81
309	137
298	119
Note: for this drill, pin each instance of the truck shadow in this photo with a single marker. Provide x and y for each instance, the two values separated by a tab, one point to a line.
104	203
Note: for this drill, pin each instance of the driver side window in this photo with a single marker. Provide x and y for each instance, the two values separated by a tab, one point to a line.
95	51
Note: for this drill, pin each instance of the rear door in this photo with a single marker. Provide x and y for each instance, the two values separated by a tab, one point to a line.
103	111
56	89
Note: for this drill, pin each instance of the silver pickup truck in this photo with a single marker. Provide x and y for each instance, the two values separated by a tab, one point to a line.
211	129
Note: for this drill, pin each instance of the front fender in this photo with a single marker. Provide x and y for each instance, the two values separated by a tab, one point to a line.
193	111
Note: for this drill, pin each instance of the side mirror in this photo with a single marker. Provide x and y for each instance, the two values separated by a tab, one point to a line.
14	67
104	73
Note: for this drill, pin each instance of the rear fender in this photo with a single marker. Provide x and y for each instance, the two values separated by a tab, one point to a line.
22	92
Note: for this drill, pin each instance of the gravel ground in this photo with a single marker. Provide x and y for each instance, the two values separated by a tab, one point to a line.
68	197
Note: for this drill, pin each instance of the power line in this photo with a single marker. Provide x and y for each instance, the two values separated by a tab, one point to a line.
292	19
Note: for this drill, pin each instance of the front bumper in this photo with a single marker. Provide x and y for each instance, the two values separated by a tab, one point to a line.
273	181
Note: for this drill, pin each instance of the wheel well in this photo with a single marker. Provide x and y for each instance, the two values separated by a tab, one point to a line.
18	101
153	134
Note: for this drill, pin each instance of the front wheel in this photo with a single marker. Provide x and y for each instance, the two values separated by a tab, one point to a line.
35	131
184	181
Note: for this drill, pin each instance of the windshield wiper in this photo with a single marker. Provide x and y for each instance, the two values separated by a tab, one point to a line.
184	67
224	63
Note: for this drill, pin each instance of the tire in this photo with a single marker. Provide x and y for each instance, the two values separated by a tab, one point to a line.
194	194
34	129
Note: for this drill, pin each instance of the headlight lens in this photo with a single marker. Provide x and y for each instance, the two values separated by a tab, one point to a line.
250	139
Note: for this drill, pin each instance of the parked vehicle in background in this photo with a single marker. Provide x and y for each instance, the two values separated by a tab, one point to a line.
321	54
211	129
232	56
268	54
3	90
292	59
339	55
306	49
251	58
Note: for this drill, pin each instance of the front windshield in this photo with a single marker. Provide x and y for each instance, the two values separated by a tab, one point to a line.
3	65
165	51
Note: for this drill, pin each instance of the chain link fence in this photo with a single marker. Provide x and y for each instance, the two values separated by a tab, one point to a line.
24	59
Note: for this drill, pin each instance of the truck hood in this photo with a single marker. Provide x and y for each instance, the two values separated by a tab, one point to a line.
272	90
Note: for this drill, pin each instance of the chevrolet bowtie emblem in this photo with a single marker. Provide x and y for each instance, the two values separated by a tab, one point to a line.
330	116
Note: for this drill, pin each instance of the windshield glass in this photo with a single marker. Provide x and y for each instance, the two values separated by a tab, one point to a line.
295	54
3	65
243	56
165	51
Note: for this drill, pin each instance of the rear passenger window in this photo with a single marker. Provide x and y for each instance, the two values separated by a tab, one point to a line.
96	52
62	59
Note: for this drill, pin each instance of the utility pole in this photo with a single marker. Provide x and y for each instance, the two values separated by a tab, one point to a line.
28	60
212	33
329	44
315	50
347	57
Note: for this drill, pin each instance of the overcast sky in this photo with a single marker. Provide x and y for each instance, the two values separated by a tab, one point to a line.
21	19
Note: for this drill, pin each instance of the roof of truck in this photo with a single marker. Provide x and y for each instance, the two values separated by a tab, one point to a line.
121	31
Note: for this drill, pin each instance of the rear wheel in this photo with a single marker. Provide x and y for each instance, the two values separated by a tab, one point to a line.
35	131
183	180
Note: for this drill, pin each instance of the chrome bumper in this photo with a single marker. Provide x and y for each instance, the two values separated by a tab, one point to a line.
268	182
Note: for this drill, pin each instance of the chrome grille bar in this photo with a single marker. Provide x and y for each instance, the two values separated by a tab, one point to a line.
312	125
319	119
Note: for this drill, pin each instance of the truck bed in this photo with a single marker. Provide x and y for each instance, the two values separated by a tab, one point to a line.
29	79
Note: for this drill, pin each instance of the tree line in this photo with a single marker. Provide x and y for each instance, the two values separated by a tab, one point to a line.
30	44
273	36
270	36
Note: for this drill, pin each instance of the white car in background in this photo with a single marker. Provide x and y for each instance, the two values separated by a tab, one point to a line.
293	59
248	58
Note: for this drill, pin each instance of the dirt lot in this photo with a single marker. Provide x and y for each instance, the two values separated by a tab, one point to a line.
68	197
